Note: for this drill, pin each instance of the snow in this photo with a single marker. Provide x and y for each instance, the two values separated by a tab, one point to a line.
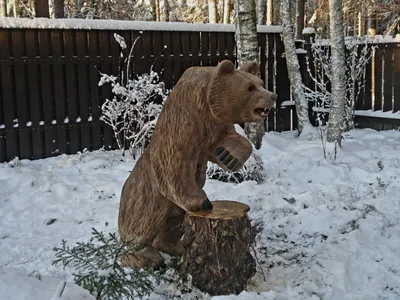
378	114
308	30
331	230
87	24
287	103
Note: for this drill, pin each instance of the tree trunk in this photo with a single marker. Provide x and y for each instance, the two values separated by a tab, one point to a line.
336	113
293	67
212	11
227	11
3	8
217	248
270	12
42	9
17	9
167	9
157	6
300	18
153	10
58	9
261	12
247	51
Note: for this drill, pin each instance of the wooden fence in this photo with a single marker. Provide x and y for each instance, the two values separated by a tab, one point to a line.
50	101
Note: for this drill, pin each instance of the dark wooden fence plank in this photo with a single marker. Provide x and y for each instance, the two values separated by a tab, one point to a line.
186	61
366	98
177	59
388	81
8	95
83	93
195	48
94	77
47	88
159	52
57	45
105	40
74	144
213	48
21	93
378	77
166	39
221	38
270	77
230	44
34	94
396	78
205	61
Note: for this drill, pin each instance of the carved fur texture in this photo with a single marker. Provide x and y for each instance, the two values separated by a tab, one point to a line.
196	125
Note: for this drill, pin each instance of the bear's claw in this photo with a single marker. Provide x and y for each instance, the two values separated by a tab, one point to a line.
206	205
227	159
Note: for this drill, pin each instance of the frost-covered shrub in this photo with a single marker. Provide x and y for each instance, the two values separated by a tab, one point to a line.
136	104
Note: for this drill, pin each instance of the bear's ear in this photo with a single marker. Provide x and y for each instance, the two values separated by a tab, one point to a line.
225	67
250	67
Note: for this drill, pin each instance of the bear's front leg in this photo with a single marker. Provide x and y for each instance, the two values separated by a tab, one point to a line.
231	151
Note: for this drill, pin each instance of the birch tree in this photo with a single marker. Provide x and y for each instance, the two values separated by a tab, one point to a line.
270	12
296	82
336	114
3	8
261	12
212	11
247	50
227	11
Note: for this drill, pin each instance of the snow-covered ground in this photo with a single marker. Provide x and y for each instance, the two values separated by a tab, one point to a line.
331	230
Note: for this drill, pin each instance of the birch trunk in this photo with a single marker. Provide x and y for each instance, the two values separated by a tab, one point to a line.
167	10
17	9
261	14
293	67
336	114
3	11
227	11
212	11
157	6
247	50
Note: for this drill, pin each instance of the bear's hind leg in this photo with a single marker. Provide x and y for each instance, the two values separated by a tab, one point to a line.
169	241
146	258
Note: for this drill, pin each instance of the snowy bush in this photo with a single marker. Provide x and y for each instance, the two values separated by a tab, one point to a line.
99	268
358	54
136	104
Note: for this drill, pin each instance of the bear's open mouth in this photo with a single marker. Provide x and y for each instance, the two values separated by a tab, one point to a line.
263	112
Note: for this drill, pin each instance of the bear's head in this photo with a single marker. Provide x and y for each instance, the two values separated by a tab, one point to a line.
238	95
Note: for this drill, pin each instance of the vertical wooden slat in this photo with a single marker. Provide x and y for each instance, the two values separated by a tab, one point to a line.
195	48
34	96
387	77
148	51
177	51
166	39
230	46
186	63
106	67
270	78
213	48
159	52
21	93
47	90
83	93
283	122
57	46
366	98
396	78
94	77
222	54
72	92
378	77
9	140
205	61
262	42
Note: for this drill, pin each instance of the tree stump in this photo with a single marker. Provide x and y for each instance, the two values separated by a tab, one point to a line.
217	248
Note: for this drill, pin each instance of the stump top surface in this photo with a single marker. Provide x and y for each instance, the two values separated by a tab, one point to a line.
223	209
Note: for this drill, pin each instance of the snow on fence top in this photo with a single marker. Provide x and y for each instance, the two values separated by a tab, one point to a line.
44	23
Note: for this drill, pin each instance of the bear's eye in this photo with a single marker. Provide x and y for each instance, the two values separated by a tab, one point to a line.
251	87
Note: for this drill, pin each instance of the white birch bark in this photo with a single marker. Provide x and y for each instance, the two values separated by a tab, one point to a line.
270	12
227	11
261	12
247	50
336	113
212	11
293	67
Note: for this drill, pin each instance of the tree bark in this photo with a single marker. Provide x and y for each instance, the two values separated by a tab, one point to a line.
300	8
270	12
293	67
227	11
212	11
58	9
17	9
167	9
336	113
157	6
247	51
217	248
42	9
261	12
3	8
